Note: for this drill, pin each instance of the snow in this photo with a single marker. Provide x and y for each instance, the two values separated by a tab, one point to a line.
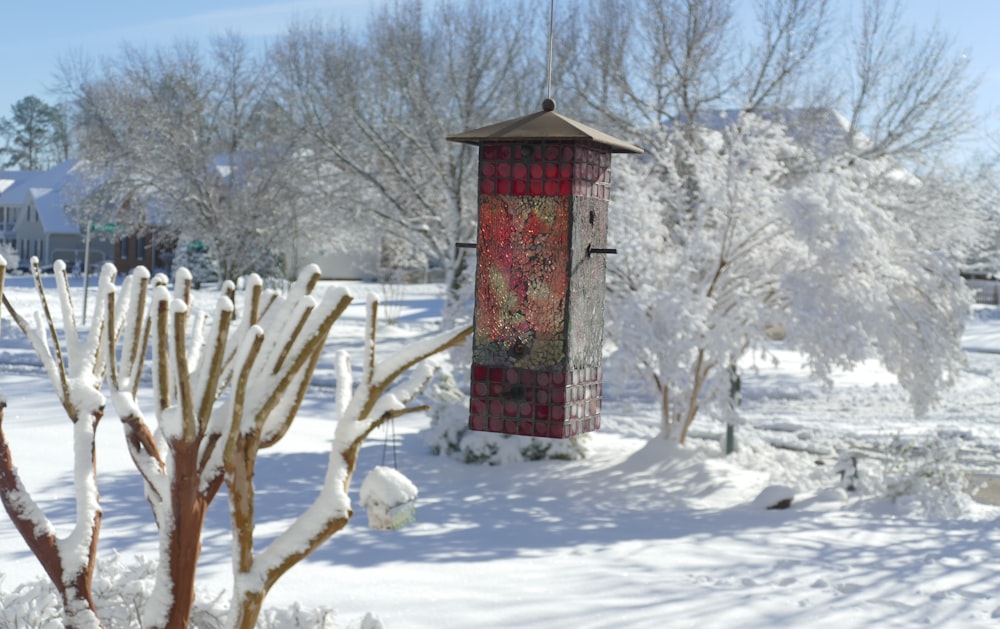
387	486
640	533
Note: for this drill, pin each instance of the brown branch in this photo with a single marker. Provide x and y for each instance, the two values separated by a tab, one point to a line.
180	361
142	445
37	275
309	355
211	392
162	354
12	492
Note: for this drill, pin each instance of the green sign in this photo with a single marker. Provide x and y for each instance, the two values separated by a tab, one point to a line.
104	228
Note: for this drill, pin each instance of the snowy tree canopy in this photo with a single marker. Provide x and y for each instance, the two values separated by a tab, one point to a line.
724	248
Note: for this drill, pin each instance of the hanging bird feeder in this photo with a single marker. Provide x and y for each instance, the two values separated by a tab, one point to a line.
389	498
540	274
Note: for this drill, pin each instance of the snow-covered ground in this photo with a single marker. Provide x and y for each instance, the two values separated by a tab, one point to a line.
635	535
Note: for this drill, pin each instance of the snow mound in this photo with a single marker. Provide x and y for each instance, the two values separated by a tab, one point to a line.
775	497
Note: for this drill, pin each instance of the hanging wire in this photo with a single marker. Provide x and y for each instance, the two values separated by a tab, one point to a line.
548	76
385	443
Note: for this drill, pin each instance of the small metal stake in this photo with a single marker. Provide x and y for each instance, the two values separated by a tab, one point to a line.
735	397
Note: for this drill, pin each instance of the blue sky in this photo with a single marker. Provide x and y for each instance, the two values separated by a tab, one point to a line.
38	32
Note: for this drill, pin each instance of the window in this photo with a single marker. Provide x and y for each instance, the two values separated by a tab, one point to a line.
123	248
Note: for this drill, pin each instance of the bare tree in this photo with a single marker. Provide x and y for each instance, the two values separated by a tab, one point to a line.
911	94
646	63
378	108
197	140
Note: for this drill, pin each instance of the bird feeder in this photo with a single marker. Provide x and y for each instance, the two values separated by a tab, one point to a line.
540	274
389	498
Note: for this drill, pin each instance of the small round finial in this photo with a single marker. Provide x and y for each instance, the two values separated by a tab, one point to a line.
548	105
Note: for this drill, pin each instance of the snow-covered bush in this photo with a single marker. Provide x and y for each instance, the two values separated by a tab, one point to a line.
197	259
923	476
121	591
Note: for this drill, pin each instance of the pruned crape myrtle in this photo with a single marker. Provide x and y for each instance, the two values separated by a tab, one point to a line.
75	367
223	393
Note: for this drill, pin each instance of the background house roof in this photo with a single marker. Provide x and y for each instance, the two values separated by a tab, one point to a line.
47	190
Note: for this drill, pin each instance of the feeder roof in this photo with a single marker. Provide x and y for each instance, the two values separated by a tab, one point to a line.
542	125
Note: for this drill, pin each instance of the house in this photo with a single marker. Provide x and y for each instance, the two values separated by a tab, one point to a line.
36	221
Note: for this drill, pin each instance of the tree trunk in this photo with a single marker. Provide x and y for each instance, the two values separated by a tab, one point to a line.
247	610
79	611
676	423
180	539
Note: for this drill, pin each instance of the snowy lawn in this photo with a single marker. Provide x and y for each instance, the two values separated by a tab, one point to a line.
636	535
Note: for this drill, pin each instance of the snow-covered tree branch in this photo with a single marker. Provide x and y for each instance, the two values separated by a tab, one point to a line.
762	252
360	410
221	397
75	368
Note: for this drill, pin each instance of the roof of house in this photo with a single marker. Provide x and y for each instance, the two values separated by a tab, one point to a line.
48	190
822	129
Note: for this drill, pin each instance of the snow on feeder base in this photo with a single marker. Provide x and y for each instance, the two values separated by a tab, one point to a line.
389	498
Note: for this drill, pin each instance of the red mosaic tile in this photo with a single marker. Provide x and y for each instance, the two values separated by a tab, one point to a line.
480	372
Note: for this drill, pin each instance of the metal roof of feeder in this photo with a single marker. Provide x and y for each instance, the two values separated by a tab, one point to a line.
543	125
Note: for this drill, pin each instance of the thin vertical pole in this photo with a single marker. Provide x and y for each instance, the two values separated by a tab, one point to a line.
548	78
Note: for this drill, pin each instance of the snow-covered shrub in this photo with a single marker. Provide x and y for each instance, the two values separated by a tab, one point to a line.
923	476
121	591
33	605
196	258
295	616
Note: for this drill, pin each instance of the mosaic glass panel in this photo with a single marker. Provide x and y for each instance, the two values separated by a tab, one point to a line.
522	278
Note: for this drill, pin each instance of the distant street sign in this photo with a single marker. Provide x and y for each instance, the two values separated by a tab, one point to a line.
105	228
